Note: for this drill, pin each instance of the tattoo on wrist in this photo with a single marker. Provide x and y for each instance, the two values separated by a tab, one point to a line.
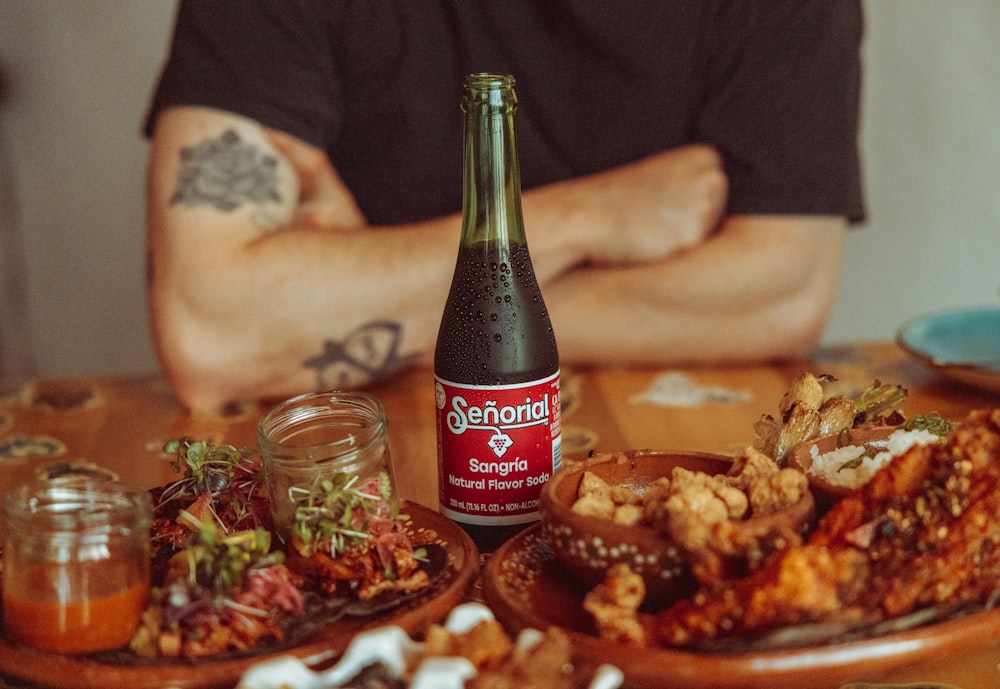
369	353
226	172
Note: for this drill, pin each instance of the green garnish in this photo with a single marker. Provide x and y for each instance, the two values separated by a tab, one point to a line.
205	465
857	461
208	468
877	400
219	564
932	423
335	511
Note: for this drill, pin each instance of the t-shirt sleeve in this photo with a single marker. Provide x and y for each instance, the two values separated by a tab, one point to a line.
782	102
776	90
268	61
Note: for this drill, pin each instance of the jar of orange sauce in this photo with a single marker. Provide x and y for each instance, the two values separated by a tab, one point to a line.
75	564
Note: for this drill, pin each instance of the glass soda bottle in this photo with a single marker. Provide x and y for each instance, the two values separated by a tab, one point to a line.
496	364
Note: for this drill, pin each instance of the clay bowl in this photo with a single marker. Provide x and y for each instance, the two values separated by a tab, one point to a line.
826	492
587	546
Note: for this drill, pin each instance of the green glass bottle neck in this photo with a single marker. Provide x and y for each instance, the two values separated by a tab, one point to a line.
491	205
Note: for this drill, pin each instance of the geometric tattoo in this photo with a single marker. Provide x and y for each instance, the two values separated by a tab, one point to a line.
370	353
225	173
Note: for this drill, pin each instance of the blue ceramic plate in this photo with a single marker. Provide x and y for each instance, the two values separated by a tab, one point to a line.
962	345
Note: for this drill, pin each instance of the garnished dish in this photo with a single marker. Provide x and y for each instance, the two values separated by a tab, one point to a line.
471	650
908	553
838	464
916	540
839	442
226	590
807	411
221	587
849	462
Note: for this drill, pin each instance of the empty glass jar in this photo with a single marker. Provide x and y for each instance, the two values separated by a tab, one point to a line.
316	436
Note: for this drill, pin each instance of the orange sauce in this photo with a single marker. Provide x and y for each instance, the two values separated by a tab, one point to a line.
77	607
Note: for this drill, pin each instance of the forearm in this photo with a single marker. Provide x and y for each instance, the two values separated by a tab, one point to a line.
263	298
281	288
291	290
640	213
761	288
300	310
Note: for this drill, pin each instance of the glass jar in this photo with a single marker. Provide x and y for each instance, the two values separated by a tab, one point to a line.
316	436
75	564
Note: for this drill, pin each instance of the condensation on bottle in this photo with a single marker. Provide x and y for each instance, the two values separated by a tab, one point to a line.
496	364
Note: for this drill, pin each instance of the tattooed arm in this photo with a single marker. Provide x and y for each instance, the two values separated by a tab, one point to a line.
266	280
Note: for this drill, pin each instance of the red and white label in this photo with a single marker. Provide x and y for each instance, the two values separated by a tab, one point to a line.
497	446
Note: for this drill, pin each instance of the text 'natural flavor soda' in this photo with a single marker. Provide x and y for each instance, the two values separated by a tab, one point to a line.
496	364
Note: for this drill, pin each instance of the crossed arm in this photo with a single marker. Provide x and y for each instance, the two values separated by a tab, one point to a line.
266	279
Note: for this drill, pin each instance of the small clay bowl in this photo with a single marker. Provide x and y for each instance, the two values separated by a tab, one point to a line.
826	492
587	545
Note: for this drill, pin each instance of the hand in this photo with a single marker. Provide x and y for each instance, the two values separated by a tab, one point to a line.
324	201
652	209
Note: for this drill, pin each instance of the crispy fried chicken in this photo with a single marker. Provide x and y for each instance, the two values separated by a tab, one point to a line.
922	534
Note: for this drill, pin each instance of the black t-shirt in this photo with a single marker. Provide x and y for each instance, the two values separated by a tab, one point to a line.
773	84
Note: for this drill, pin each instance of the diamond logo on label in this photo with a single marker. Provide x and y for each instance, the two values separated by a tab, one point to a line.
500	441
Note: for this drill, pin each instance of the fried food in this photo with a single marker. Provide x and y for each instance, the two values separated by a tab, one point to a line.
597	498
614	605
922	535
710	517
536	660
547	664
486	645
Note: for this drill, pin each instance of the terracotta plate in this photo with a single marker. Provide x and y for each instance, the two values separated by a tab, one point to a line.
526	586
83	672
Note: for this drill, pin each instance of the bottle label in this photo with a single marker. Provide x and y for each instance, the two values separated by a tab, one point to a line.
497	446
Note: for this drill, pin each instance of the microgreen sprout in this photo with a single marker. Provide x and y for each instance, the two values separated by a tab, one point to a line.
218	564
337	512
208	468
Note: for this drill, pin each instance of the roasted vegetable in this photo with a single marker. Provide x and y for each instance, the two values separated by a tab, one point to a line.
807	412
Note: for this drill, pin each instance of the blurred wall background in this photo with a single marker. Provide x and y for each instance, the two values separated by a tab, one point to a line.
931	150
77	76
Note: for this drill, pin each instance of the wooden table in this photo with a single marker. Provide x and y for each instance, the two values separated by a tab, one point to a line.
123	423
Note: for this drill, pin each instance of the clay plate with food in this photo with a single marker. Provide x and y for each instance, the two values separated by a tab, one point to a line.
100	671
470	650
904	569
526	587
600	512
840	463
227	593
